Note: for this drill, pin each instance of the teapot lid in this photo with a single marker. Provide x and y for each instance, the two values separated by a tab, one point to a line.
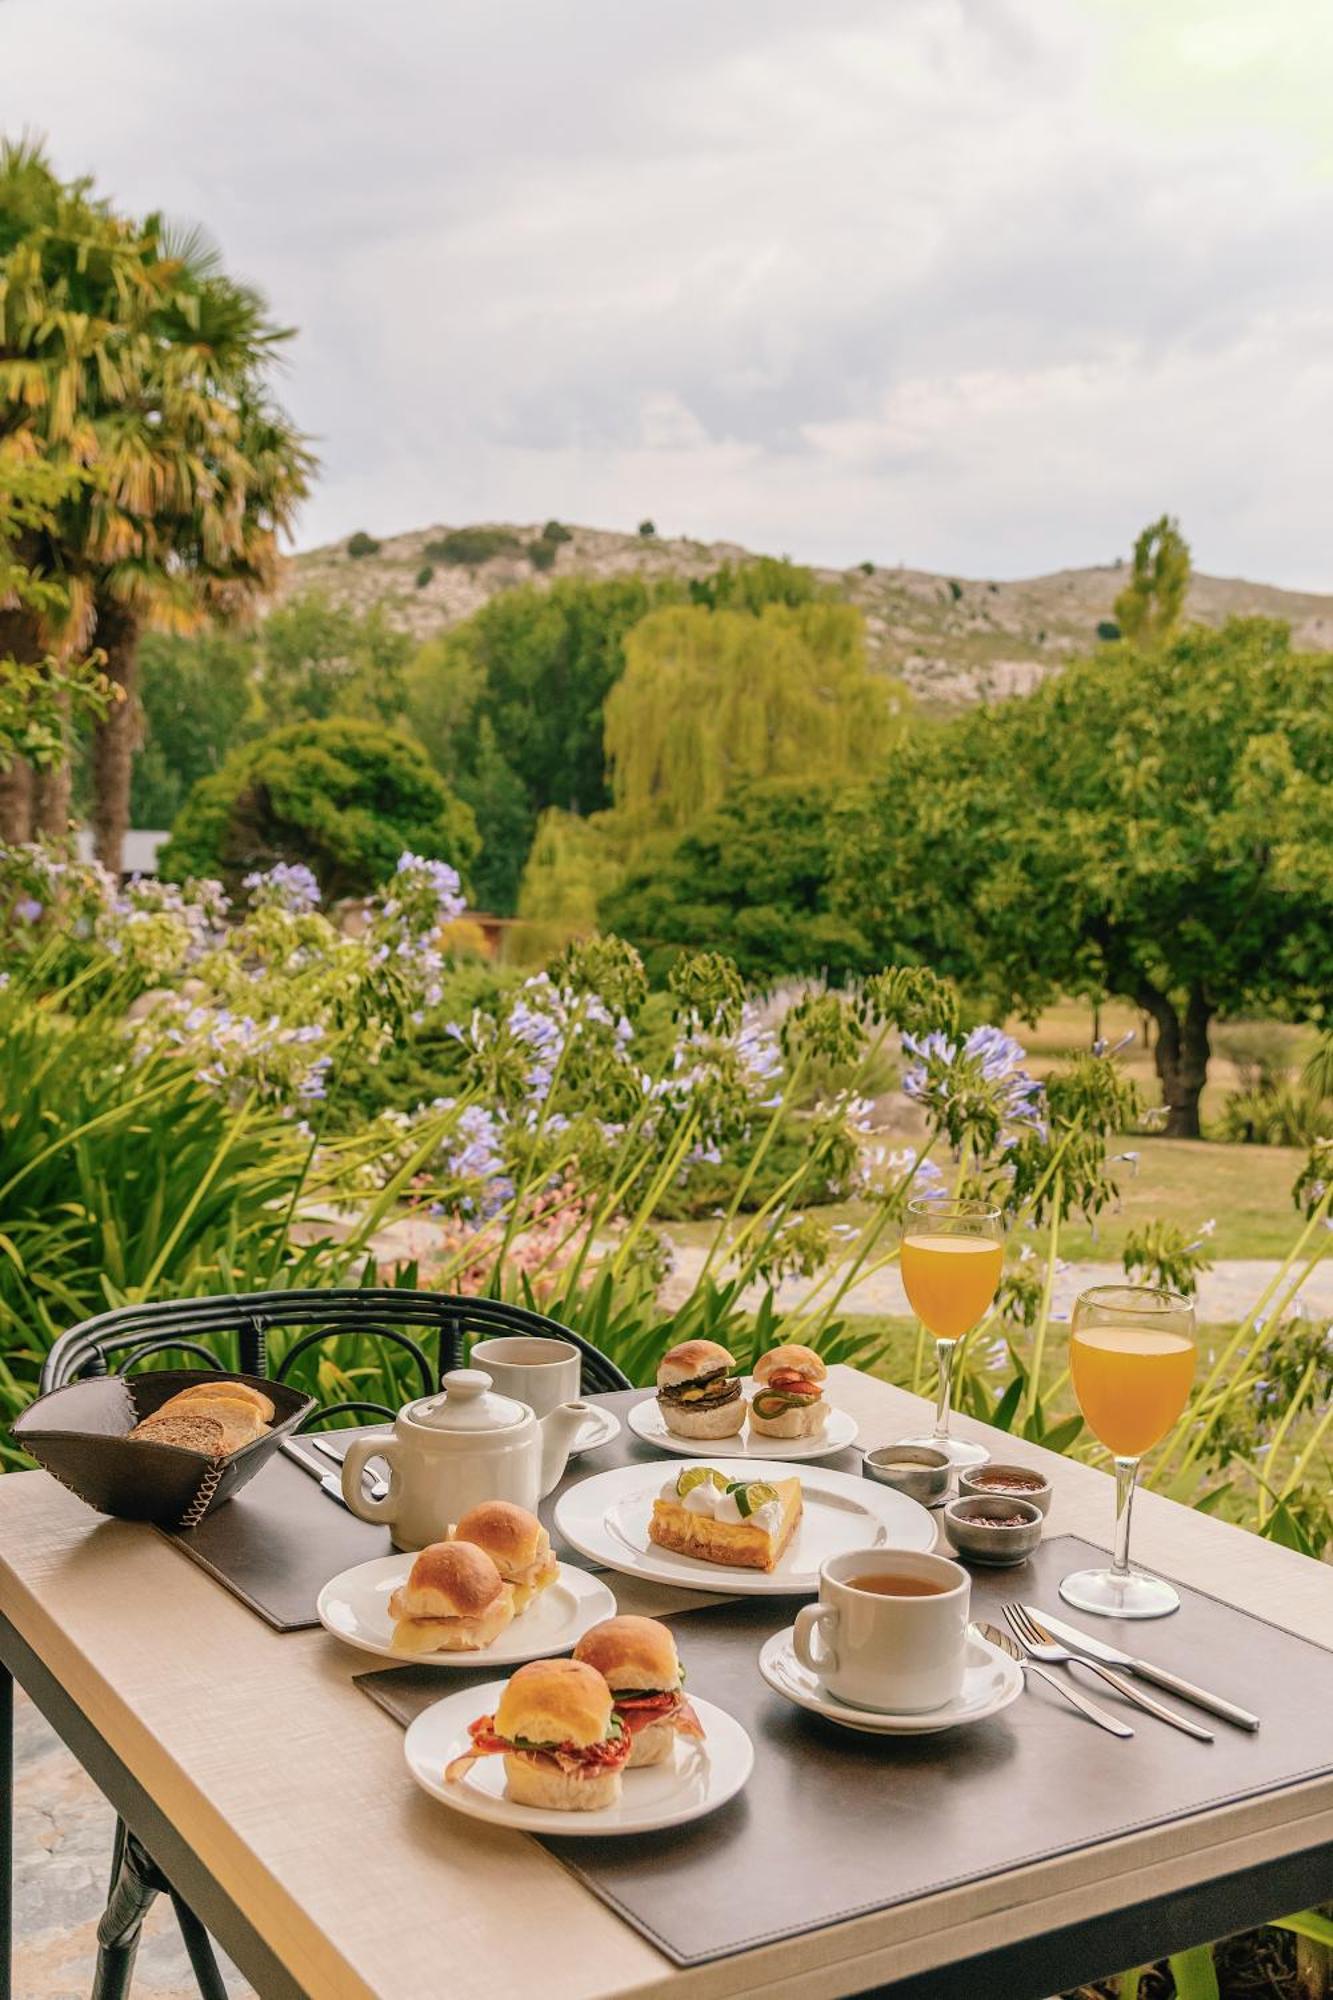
467	1403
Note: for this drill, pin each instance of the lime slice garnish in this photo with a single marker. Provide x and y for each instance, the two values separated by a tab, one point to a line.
748	1498
697	1475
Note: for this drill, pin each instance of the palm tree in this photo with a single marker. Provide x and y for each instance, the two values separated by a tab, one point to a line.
157	388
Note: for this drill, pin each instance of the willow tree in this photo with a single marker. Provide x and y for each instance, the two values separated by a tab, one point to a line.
136	358
1149	607
711	698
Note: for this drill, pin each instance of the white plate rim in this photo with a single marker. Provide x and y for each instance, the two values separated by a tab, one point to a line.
778	1646
881	1503
611	1428
840	1431
594	1601
720	1726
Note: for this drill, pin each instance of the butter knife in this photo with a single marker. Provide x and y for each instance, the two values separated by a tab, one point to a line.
329	1482
1111	1656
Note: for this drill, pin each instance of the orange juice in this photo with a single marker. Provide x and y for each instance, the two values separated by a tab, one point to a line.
1132	1382
950	1280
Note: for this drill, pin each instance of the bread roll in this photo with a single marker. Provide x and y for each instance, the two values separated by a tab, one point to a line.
533	1783
555	1701
632	1652
454	1601
516	1543
690	1360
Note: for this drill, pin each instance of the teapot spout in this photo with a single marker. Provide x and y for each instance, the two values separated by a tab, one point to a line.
559	1431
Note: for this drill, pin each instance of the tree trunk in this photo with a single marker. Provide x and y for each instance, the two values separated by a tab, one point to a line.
51	790
16	802
115	737
1181	1055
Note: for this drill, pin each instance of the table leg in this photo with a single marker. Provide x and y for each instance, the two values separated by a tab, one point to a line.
6	1833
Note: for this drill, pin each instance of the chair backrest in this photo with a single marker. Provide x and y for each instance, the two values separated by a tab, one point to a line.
418	1336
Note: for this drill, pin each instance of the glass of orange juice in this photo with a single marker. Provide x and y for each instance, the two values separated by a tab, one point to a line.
1131	1355
952	1253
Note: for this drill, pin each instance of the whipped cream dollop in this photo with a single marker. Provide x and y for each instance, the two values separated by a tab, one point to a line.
719	1506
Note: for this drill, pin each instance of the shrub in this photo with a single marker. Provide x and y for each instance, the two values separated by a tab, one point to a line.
1276	1113
362	544
1108	630
424	575
555	531
468	548
343	797
866	568
541	554
955	589
647	530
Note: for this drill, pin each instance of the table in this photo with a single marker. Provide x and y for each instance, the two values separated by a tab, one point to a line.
272	1794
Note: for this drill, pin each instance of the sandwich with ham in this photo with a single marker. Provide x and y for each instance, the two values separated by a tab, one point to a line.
563	1744
637	1659
516	1543
788	1399
454	1601
697	1392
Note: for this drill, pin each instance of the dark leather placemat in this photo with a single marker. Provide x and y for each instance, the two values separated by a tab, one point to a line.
834	1824
277	1544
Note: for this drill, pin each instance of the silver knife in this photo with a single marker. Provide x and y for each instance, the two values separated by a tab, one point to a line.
329	1481
376	1486
1112	1656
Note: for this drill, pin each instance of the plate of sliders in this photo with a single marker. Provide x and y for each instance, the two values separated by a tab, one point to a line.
493	1591
720	1527
778	1412
605	1743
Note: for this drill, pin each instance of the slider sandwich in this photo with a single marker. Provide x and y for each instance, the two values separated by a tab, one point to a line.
454	1601
516	1543
697	1393
637	1659
788	1400
563	1744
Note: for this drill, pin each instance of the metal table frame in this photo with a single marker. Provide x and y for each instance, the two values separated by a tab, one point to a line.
1028	1970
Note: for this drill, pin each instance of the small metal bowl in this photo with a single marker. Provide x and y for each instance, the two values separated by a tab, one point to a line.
975	1480
972	1526
917	1470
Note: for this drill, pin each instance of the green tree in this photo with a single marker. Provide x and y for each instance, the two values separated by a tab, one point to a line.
319	659
710	698
344	797
129	354
750	586
196	695
1148	609
571	864
1153	824
753	879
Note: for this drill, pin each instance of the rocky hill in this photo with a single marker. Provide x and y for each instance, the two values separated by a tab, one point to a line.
952	639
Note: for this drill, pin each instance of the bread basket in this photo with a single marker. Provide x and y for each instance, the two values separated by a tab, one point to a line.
78	1434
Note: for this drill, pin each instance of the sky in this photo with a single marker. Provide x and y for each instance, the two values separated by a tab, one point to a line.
978	286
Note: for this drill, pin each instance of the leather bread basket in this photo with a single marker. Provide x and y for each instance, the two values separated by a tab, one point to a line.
79	1435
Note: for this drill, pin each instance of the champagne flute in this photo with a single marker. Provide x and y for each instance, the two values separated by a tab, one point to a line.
1131	1354
952	1255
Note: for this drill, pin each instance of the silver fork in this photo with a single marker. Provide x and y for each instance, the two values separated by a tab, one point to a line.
1070	1693
1039	1643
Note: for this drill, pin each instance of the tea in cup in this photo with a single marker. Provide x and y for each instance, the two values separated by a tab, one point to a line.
889	1631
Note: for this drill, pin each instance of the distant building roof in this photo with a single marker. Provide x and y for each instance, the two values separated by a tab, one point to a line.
141	849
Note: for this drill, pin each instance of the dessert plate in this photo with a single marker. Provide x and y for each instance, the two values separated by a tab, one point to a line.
991	1680
697	1779
646	1422
606	1518
355	1608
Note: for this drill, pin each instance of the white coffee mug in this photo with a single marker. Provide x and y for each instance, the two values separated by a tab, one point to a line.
900	1654
541	1373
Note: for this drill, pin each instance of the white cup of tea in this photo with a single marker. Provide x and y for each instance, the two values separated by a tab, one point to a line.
541	1373
889	1631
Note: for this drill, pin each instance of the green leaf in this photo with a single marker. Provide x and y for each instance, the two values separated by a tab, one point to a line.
1195	1974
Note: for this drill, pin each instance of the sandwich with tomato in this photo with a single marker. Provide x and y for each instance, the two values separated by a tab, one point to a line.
788	1399
563	1744
637	1659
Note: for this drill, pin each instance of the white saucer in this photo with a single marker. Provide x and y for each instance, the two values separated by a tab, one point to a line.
991	1680
646	1422
599	1428
606	1516
697	1779
354	1607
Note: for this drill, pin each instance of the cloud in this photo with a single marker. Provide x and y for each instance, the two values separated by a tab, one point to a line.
976	284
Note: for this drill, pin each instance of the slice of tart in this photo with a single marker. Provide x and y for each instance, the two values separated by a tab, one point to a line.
744	1524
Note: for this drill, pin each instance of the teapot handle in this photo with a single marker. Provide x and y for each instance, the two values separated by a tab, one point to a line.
355	1459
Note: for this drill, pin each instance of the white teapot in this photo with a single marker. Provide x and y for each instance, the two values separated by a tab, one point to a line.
452	1451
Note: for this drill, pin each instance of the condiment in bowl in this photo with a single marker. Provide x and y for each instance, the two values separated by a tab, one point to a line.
1006	1482
917	1470
993	1528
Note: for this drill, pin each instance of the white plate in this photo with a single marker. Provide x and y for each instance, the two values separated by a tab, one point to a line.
991	1680
646	1422
698	1778
606	1518
355	1608
601	1427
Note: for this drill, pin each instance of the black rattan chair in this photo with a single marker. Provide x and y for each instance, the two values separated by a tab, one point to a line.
236	1332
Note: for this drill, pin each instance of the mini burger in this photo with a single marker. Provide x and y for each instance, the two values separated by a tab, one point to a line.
516	1543
788	1400
454	1601
563	1744
637	1659
697	1394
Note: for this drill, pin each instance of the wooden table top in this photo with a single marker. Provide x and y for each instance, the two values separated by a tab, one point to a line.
290	1786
